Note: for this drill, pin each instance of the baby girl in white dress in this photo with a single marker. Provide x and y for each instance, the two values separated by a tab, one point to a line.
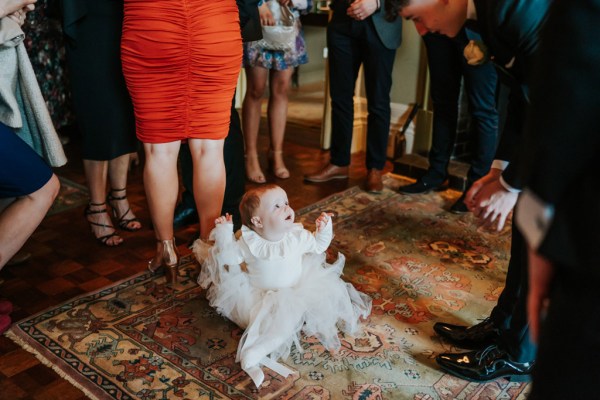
274	282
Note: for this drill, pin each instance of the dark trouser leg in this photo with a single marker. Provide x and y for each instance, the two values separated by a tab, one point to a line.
344	63
233	154
187	173
510	315
567	362
378	62
480	85
445	73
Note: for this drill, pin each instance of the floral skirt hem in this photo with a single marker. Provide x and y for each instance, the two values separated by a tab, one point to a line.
256	56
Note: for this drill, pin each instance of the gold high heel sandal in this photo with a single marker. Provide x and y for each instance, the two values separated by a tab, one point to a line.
280	172
166	256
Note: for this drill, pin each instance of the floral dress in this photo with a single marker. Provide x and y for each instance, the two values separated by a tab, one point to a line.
45	45
255	55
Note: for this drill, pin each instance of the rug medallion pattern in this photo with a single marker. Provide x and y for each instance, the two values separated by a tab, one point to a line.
142	339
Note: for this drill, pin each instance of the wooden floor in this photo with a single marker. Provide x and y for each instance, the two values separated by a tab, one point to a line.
66	260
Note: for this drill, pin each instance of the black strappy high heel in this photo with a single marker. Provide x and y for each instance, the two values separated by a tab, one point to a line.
122	222
102	239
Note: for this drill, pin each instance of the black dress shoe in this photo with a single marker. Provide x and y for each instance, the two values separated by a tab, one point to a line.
184	216
459	207
485	365
469	337
421	187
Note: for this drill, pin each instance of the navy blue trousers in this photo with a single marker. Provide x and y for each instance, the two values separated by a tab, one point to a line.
447	66
351	43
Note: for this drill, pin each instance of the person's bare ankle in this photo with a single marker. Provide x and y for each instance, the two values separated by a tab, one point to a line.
253	171
277	165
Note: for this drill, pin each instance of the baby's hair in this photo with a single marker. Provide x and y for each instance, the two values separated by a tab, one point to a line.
251	201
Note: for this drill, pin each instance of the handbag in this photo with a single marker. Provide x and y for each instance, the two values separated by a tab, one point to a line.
281	36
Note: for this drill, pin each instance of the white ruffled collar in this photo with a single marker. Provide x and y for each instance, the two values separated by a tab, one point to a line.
266	249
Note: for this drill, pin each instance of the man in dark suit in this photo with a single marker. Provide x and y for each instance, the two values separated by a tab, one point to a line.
233	147
447	67
510	30
559	210
359	34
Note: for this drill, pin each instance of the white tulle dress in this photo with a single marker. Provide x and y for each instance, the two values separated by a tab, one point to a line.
275	290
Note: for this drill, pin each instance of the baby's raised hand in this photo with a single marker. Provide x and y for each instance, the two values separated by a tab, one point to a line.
322	221
224	219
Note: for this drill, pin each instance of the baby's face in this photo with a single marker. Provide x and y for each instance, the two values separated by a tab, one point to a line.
274	211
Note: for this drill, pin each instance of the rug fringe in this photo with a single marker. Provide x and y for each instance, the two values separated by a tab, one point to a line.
12	336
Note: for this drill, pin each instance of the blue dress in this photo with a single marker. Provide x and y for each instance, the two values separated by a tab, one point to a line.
23	171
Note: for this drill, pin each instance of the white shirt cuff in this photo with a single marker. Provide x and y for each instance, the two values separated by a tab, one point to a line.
500	164
533	217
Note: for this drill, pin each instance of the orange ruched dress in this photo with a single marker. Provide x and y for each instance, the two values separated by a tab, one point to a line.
181	60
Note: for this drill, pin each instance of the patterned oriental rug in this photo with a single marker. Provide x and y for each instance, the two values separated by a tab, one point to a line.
141	339
71	195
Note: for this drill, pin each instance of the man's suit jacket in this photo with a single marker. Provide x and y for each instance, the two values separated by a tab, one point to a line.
390	33
562	139
511	30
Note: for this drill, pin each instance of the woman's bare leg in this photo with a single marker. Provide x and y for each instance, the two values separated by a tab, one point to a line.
277	116
209	181
118	169
251	111
96	175
162	185
22	217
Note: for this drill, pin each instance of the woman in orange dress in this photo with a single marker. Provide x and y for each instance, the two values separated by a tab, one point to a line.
181	60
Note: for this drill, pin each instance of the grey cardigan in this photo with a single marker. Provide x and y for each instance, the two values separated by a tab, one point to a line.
22	105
